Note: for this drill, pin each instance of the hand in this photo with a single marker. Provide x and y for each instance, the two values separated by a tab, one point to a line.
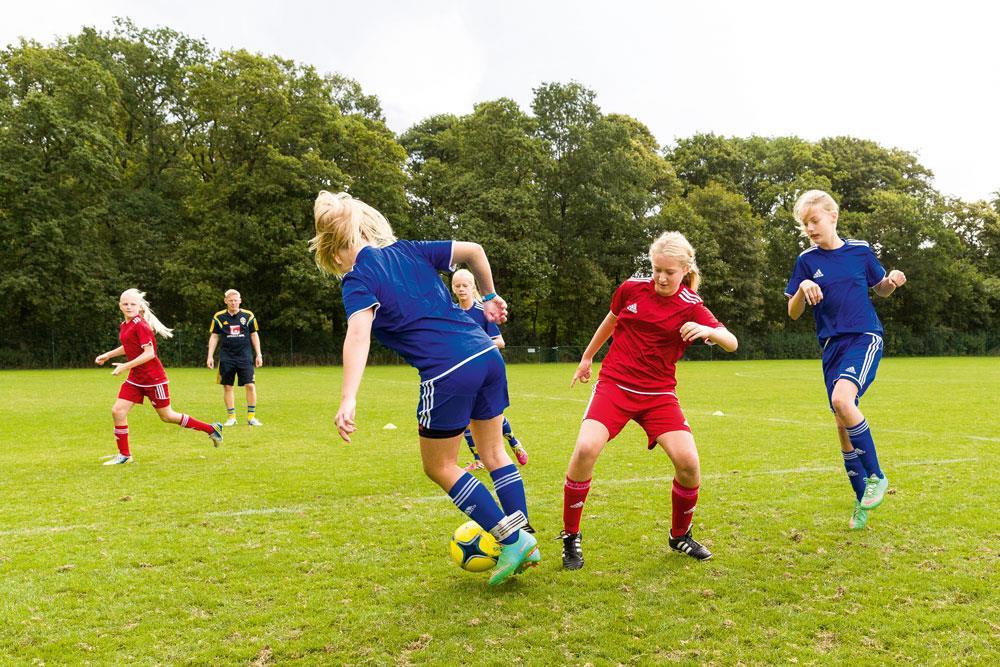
582	372
345	419
897	278
100	359
495	310
691	331
811	291
259	361
118	368
210	362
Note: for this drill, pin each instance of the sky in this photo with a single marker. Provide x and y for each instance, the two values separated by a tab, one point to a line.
920	76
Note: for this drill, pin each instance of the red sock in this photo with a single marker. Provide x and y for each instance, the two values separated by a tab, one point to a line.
574	495
121	439
683	501
188	421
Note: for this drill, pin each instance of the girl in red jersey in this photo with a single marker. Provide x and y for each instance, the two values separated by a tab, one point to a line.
653	321
146	377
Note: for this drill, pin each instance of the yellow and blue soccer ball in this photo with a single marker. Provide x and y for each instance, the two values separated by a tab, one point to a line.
473	548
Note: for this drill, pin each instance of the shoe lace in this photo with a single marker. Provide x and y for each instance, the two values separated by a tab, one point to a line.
571	543
871	486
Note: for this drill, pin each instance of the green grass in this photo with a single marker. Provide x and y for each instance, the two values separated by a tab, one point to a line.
286	545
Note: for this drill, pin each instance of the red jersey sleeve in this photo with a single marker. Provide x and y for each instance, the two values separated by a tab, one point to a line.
144	334
702	315
619	298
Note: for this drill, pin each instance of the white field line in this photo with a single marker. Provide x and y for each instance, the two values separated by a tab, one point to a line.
440	497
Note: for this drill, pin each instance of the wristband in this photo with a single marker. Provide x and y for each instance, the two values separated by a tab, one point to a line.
489	297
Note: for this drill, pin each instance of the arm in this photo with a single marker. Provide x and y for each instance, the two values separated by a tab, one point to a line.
255	341
601	336
720	336
110	354
889	284
213	342
499	342
356	345
473	254
808	292
147	354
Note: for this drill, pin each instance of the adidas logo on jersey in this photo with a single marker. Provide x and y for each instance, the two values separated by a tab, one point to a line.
851	369
818	274
632	308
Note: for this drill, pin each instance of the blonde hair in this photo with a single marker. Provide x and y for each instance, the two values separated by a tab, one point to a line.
808	200
675	246
465	273
147	314
343	222
230	292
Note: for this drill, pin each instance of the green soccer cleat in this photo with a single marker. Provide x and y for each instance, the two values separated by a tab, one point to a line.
216	434
875	489
859	519
514	558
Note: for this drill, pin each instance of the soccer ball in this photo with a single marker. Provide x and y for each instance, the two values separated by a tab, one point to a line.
473	548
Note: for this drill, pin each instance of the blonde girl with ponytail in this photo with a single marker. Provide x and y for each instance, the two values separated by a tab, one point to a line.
146	376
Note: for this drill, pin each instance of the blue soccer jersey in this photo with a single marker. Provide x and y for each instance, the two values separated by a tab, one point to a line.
845	275
478	316
414	313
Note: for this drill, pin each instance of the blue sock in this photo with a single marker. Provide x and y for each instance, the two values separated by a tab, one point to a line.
508	433
477	502
861	438
471	444
855	472
509	486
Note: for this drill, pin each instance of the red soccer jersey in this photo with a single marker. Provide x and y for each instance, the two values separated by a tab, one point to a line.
647	341
134	335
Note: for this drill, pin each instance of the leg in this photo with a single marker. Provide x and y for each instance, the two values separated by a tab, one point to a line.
170	416
252	404
516	446
229	398
844	402
590	442
476	463
680	447
119	414
507	480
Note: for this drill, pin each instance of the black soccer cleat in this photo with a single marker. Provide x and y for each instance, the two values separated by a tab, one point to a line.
688	545
572	551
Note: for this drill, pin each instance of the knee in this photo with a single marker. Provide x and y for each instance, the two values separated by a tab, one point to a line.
118	414
168	416
841	403
587	451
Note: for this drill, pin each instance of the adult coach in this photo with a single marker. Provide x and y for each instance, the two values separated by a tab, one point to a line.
239	355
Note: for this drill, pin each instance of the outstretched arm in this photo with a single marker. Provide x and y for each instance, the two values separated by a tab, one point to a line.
356	345
110	354
600	337
720	336
889	284
148	354
466	252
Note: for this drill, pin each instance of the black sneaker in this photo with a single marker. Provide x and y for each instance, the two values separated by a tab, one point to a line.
572	552
688	545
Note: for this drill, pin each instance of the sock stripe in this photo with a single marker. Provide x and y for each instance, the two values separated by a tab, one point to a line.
858	429
466	491
851	455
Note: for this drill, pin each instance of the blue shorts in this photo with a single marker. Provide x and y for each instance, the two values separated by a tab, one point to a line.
851	357
475	389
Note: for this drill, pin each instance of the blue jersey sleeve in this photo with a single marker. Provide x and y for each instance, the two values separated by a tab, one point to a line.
357	296
438	253
492	330
874	271
799	273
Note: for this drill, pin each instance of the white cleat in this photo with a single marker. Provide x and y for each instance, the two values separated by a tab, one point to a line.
230	422
254	422
118	460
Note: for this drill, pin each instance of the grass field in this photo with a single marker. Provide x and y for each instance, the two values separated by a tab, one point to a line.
286	545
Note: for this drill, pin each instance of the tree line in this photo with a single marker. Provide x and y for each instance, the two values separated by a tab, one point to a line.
143	157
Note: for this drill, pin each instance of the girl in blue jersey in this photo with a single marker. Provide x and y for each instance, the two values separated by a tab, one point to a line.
834	276
463	284
391	288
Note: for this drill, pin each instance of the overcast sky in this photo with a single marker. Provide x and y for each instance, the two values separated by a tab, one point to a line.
924	77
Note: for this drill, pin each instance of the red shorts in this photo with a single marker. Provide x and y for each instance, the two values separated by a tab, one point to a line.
158	394
614	406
